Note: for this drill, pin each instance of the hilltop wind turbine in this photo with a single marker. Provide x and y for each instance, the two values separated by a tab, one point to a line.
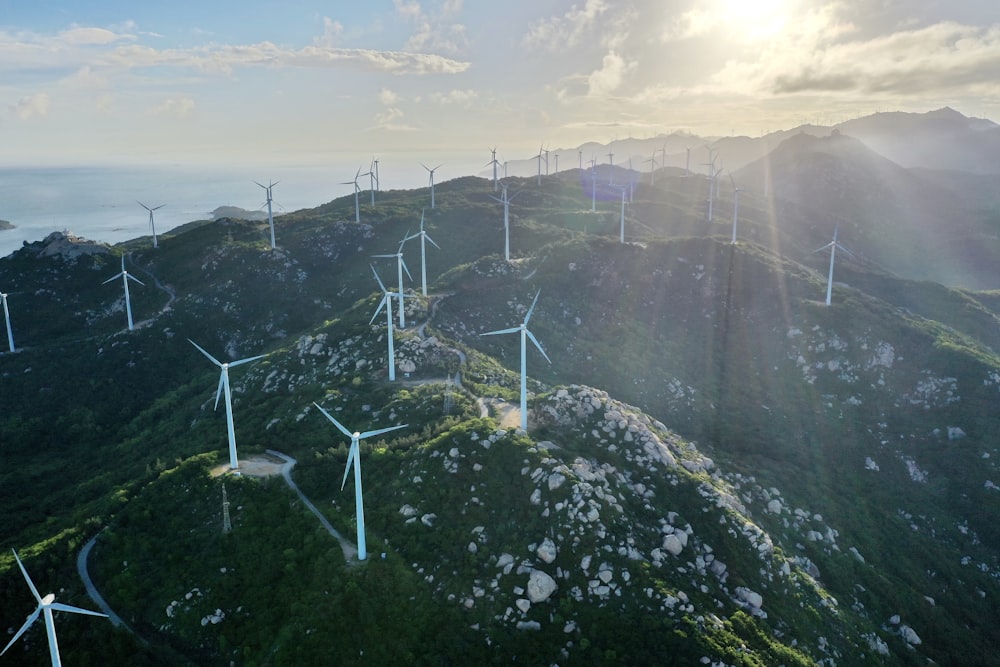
152	225
387	302
505	200
736	205
354	456
555	170
357	191
125	276
621	233
46	605
525	334
687	164
400	267
493	161
611	161
539	158
593	184
373	178
832	245
6	317
424	236
234	463
652	169
430	173
270	214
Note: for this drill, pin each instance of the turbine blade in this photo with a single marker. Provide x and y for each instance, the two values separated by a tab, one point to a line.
58	606
131	277
392	255
335	422
537	344
218	393
380	431
27	624
202	350
246	361
501	331
822	248
381	304
350	460
379	280
849	253
31	584
403	262
117	275
427	236
532	308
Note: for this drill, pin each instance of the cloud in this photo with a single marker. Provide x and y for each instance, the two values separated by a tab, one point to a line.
332	30
463	98
437	31
610	76
387	97
561	32
387	120
31	106
79	36
179	107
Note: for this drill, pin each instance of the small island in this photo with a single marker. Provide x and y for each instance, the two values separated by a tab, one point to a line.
6	225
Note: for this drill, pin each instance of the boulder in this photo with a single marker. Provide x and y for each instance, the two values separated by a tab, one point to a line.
540	586
547	551
672	544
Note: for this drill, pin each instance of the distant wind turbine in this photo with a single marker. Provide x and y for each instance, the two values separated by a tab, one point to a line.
125	276
357	191
687	164
539	158
505	200
493	161
579	155
152	225
46	605
652	169
593	184
234	463
525	334
621	233
400	267
736	205
430	173
354	456
611	161
387	303
555	156
832	245
270	214
424	236
6	317
373	178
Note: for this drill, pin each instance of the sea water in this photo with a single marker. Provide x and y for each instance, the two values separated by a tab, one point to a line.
101	203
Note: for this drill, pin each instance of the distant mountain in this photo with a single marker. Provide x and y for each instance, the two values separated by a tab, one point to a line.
6	225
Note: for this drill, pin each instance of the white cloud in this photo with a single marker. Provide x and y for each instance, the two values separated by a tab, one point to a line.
560	32
179	107
31	106
437	31
332	30
80	36
387	97
388	120
463	98
610	76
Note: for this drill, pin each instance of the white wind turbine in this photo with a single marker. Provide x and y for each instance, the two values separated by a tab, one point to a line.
611	161
525	334
493	161
6	317
357	190
621	233
430	174
505	200
593	184
234	463
400	267
373	178
424	236
152	225
46	605
832	245
736	205
125	276
652	169
555	170
354	456
374	169
387	302
538	157
270	214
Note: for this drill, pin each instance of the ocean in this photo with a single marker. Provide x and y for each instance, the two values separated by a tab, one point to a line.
100	203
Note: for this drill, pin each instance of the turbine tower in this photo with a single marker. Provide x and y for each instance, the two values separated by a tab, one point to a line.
125	276
621	233
227	524
373	178
611	159
357	190
593	184
234	463
6	317
46	605
400	267
832	245
430	174
736	205
505	200
493	161
387	302
354	456
539	158
525	334
152	225
424	236
270	214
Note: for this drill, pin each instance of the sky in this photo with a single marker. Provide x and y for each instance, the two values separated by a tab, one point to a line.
84	82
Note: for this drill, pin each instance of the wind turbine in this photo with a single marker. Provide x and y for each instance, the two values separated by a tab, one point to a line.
152	226
652	169
593	184
505	200
539	158
373	178
687	164
125	276
387	302
354	456
621	233
234	463
46	605
423	251
579	155
270	214
611	160
525	334
493	161
357	190
430	173
400	267
374	168
832	245
736	205
6	317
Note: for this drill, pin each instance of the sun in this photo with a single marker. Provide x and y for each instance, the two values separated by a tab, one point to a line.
754	21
